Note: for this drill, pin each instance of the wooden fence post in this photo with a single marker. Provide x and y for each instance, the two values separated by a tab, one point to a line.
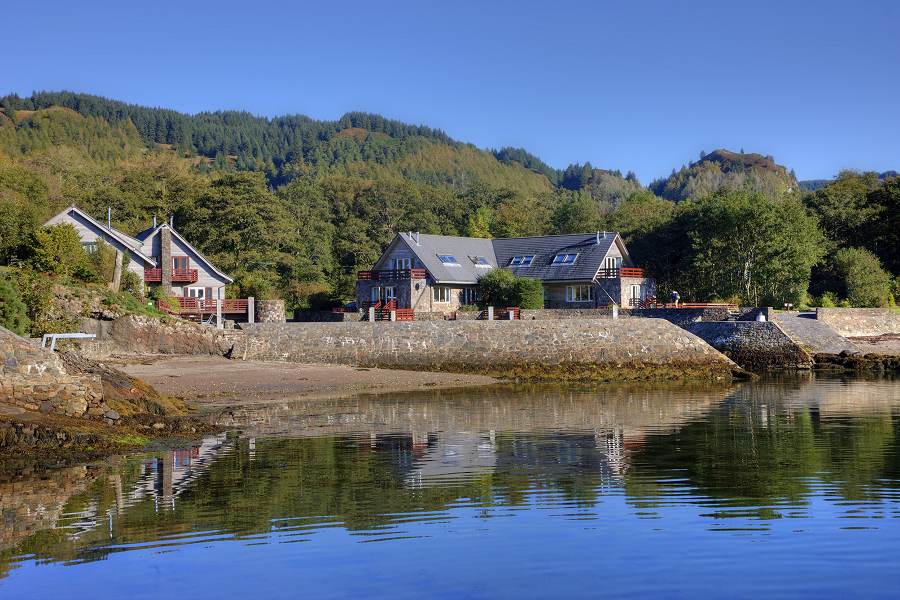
219	323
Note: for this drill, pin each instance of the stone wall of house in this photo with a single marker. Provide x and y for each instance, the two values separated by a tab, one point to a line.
35	379
585	349
137	334
270	311
860	322
756	346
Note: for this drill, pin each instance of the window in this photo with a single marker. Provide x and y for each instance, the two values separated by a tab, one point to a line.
609	262
480	261
402	264
196	292
564	259
579	293
181	263
89	247
521	261
441	294
448	259
390	293
375	294
469	296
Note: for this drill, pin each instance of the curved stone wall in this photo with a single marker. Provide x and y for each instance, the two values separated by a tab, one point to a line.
757	346
596	349
34	379
270	311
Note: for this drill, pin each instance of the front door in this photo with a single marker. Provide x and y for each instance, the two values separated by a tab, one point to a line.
636	295
390	294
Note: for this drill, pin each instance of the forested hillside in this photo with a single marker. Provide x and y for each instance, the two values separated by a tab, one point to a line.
293	207
724	169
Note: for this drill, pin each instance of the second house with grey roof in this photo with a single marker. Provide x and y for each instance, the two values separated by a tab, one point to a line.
440	273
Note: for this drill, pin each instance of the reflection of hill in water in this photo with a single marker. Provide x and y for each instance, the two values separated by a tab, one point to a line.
372	465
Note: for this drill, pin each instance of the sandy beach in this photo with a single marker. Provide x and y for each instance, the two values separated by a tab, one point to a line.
214	381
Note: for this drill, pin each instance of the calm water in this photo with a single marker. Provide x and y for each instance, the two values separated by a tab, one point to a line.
782	488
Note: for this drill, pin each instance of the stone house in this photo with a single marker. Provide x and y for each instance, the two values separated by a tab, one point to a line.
159	256
439	273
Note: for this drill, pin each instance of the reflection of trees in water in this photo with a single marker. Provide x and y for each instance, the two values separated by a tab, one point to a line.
770	443
764	444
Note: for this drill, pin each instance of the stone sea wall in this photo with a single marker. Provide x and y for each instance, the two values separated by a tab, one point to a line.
35	379
135	334
756	346
860	322
583	349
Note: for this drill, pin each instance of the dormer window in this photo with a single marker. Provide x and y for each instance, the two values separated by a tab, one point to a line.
480	261
564	259
522	261
448	260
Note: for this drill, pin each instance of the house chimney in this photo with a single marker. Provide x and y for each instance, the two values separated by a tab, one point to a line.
154	221
598	238
109	217
417	239
172	221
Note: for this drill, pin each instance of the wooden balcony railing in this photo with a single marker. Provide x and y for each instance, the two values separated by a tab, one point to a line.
620	272
392	275
178	275
199	306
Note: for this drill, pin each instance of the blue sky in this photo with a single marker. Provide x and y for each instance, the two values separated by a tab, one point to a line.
639	85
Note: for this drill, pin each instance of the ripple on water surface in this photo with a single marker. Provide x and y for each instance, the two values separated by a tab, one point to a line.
783	487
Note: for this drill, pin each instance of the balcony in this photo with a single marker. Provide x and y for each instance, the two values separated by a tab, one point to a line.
199	306
178	275
392	275
621	272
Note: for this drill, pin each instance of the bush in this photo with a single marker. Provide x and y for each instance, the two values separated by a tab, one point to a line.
37	294
131	283
322	301
827	300
502	288
57	250
863	281
13	312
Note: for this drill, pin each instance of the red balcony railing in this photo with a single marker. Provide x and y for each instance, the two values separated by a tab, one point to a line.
392	275
621	272
178	275
199	306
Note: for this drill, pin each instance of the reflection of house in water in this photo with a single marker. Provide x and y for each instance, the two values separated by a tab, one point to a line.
166	476
452	456
552	454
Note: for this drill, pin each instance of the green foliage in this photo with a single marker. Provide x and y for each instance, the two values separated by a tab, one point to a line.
721	169
502	288
130	283
863	282
13	312
57	250
575	214
36	291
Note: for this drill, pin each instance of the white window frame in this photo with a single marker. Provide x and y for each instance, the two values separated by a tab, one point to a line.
375	294
453	263
610	262
390	293
440	294
575	293
197	292
90	247
477	261
402	264
522	261
638	287
562	260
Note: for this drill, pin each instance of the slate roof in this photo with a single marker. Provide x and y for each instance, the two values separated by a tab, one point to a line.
499	252
149	233
126	240
430	246
545	248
